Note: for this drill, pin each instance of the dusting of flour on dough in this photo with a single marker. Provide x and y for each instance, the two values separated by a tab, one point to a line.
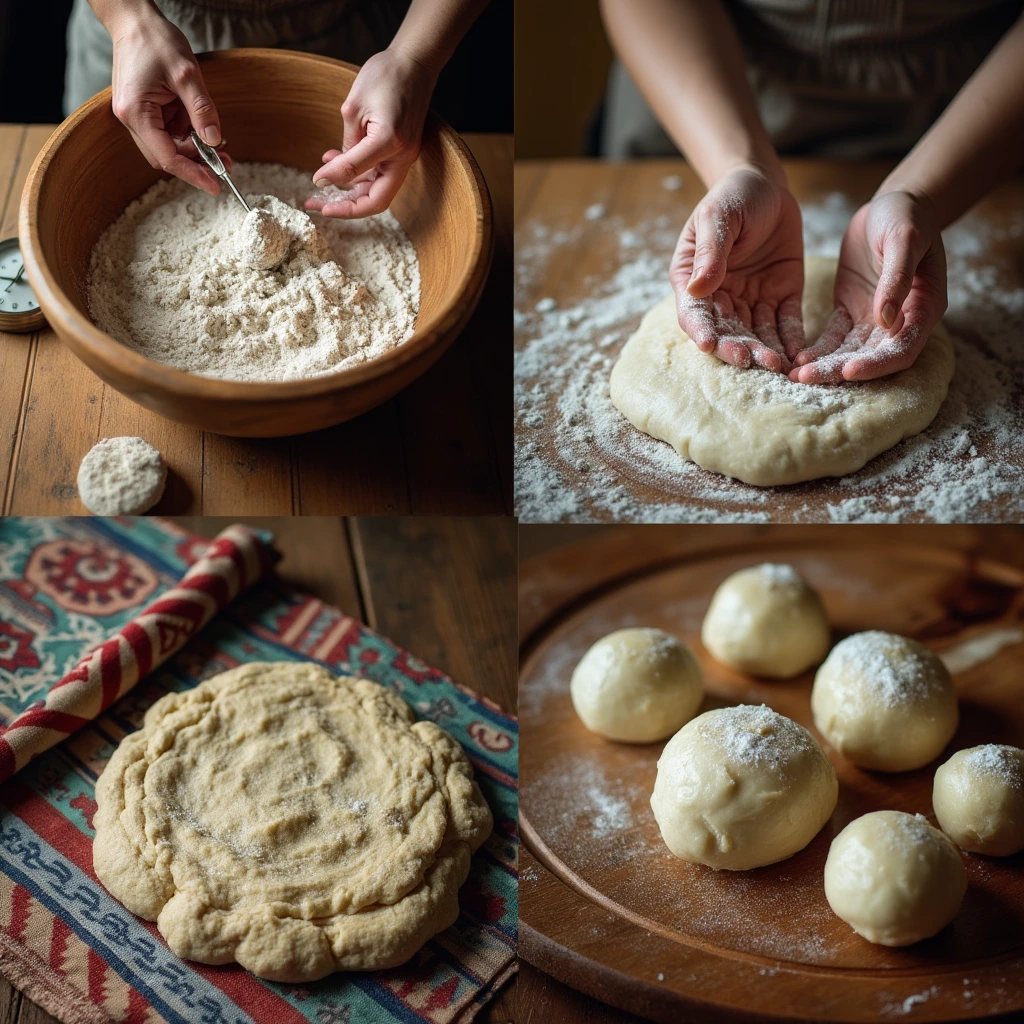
269	809
892	673
191	280
994	760
578	458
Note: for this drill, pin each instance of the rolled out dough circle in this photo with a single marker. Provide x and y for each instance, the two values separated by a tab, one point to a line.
758	426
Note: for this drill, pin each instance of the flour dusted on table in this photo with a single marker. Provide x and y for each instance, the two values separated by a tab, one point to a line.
191	280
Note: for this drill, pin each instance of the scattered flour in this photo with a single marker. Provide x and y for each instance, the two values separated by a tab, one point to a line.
908	1004
121	476
755	735
185	278
979	649
596	802
578	459
779	576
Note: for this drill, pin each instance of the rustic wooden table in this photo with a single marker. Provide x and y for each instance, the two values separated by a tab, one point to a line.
441	446
443	587
592	247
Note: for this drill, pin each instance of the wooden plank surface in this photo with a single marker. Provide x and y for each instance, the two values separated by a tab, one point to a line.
441	446
578	224
443	588
574	576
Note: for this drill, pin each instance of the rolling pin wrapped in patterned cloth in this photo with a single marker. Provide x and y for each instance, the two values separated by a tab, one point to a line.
236	558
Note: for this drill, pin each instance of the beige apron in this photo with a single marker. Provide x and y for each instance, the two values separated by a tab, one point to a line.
849	79
351	30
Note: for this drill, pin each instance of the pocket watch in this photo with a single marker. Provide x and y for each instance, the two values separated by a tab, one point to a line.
19	308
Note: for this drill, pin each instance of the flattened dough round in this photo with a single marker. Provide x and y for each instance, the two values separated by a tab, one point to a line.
758	426
293	821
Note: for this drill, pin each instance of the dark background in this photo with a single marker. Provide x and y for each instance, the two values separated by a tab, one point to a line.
474	93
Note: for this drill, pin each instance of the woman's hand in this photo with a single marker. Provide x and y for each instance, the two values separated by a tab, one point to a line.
384	114
738	272
159	93
890	292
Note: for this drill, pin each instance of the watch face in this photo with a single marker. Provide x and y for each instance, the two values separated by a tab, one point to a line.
15	293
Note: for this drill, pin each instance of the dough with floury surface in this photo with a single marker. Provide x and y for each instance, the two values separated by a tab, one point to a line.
758	426
885	702
290	820
121	476
894	878
978	798
637	685
768	621
742	787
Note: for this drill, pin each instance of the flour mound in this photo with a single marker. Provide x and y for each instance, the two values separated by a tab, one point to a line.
265	237
121	476
191	280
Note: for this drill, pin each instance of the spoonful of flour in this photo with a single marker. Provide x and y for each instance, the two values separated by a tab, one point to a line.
264	239
273	230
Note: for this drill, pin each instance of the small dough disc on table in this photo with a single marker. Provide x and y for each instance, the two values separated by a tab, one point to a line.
758	426
289	820
121	476
894	878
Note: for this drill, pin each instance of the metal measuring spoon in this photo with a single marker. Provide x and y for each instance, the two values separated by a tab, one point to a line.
212	159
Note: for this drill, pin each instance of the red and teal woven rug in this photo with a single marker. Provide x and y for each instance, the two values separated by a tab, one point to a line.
65	586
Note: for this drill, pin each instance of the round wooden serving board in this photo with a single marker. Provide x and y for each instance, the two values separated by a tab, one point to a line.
606	908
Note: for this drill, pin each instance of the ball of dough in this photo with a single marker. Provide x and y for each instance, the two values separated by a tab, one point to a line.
894	878
884	702
978	798
121	476
637	685
742	787
766	620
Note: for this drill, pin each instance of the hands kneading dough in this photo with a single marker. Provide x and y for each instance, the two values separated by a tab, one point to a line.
289	820
637	686
767	621
758	426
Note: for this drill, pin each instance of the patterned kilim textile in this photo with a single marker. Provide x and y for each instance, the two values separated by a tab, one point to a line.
66	585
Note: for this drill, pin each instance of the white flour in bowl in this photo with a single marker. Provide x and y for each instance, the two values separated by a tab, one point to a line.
177	277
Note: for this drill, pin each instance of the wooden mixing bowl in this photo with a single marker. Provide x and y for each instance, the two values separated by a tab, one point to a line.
281	107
